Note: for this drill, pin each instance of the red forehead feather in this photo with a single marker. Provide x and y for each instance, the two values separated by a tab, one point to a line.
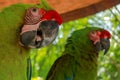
105	33
51	14
42	11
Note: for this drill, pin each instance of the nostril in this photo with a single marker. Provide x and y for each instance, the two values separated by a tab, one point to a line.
39	37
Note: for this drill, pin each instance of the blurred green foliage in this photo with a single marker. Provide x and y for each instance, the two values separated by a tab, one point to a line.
109	64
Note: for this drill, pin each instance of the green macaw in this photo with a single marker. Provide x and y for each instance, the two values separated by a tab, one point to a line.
23	27
79	60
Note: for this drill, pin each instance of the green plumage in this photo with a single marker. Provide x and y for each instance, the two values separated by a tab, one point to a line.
13	57
79	60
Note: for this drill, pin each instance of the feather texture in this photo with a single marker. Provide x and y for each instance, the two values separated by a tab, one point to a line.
79	60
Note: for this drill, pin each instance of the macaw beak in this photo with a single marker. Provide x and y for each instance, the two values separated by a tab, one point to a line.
49	31
43	36
104	44
29	39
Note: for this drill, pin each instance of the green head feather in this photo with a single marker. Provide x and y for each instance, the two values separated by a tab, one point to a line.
80	41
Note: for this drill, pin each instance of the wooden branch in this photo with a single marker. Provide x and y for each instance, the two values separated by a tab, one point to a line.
88	10
70	9
81	8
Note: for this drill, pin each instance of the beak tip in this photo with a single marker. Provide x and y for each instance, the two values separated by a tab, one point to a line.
105	52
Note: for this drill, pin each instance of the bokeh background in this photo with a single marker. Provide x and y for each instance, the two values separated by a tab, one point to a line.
109	64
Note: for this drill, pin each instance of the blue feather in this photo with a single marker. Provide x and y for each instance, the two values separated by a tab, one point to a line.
29	69
69	77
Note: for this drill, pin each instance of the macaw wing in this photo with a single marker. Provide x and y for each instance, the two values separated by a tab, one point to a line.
62	69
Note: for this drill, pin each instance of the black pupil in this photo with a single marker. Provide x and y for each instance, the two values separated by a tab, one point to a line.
34	10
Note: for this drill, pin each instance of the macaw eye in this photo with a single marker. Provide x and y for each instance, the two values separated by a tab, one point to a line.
34	9
93	32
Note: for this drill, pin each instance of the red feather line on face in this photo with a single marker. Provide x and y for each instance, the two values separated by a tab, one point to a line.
52	15
34	15
97	35
105	34
30	18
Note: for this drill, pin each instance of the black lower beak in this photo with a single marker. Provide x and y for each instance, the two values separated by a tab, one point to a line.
104	44
31	39
27	38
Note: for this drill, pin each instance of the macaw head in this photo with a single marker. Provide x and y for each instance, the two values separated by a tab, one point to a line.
40	27
100	39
